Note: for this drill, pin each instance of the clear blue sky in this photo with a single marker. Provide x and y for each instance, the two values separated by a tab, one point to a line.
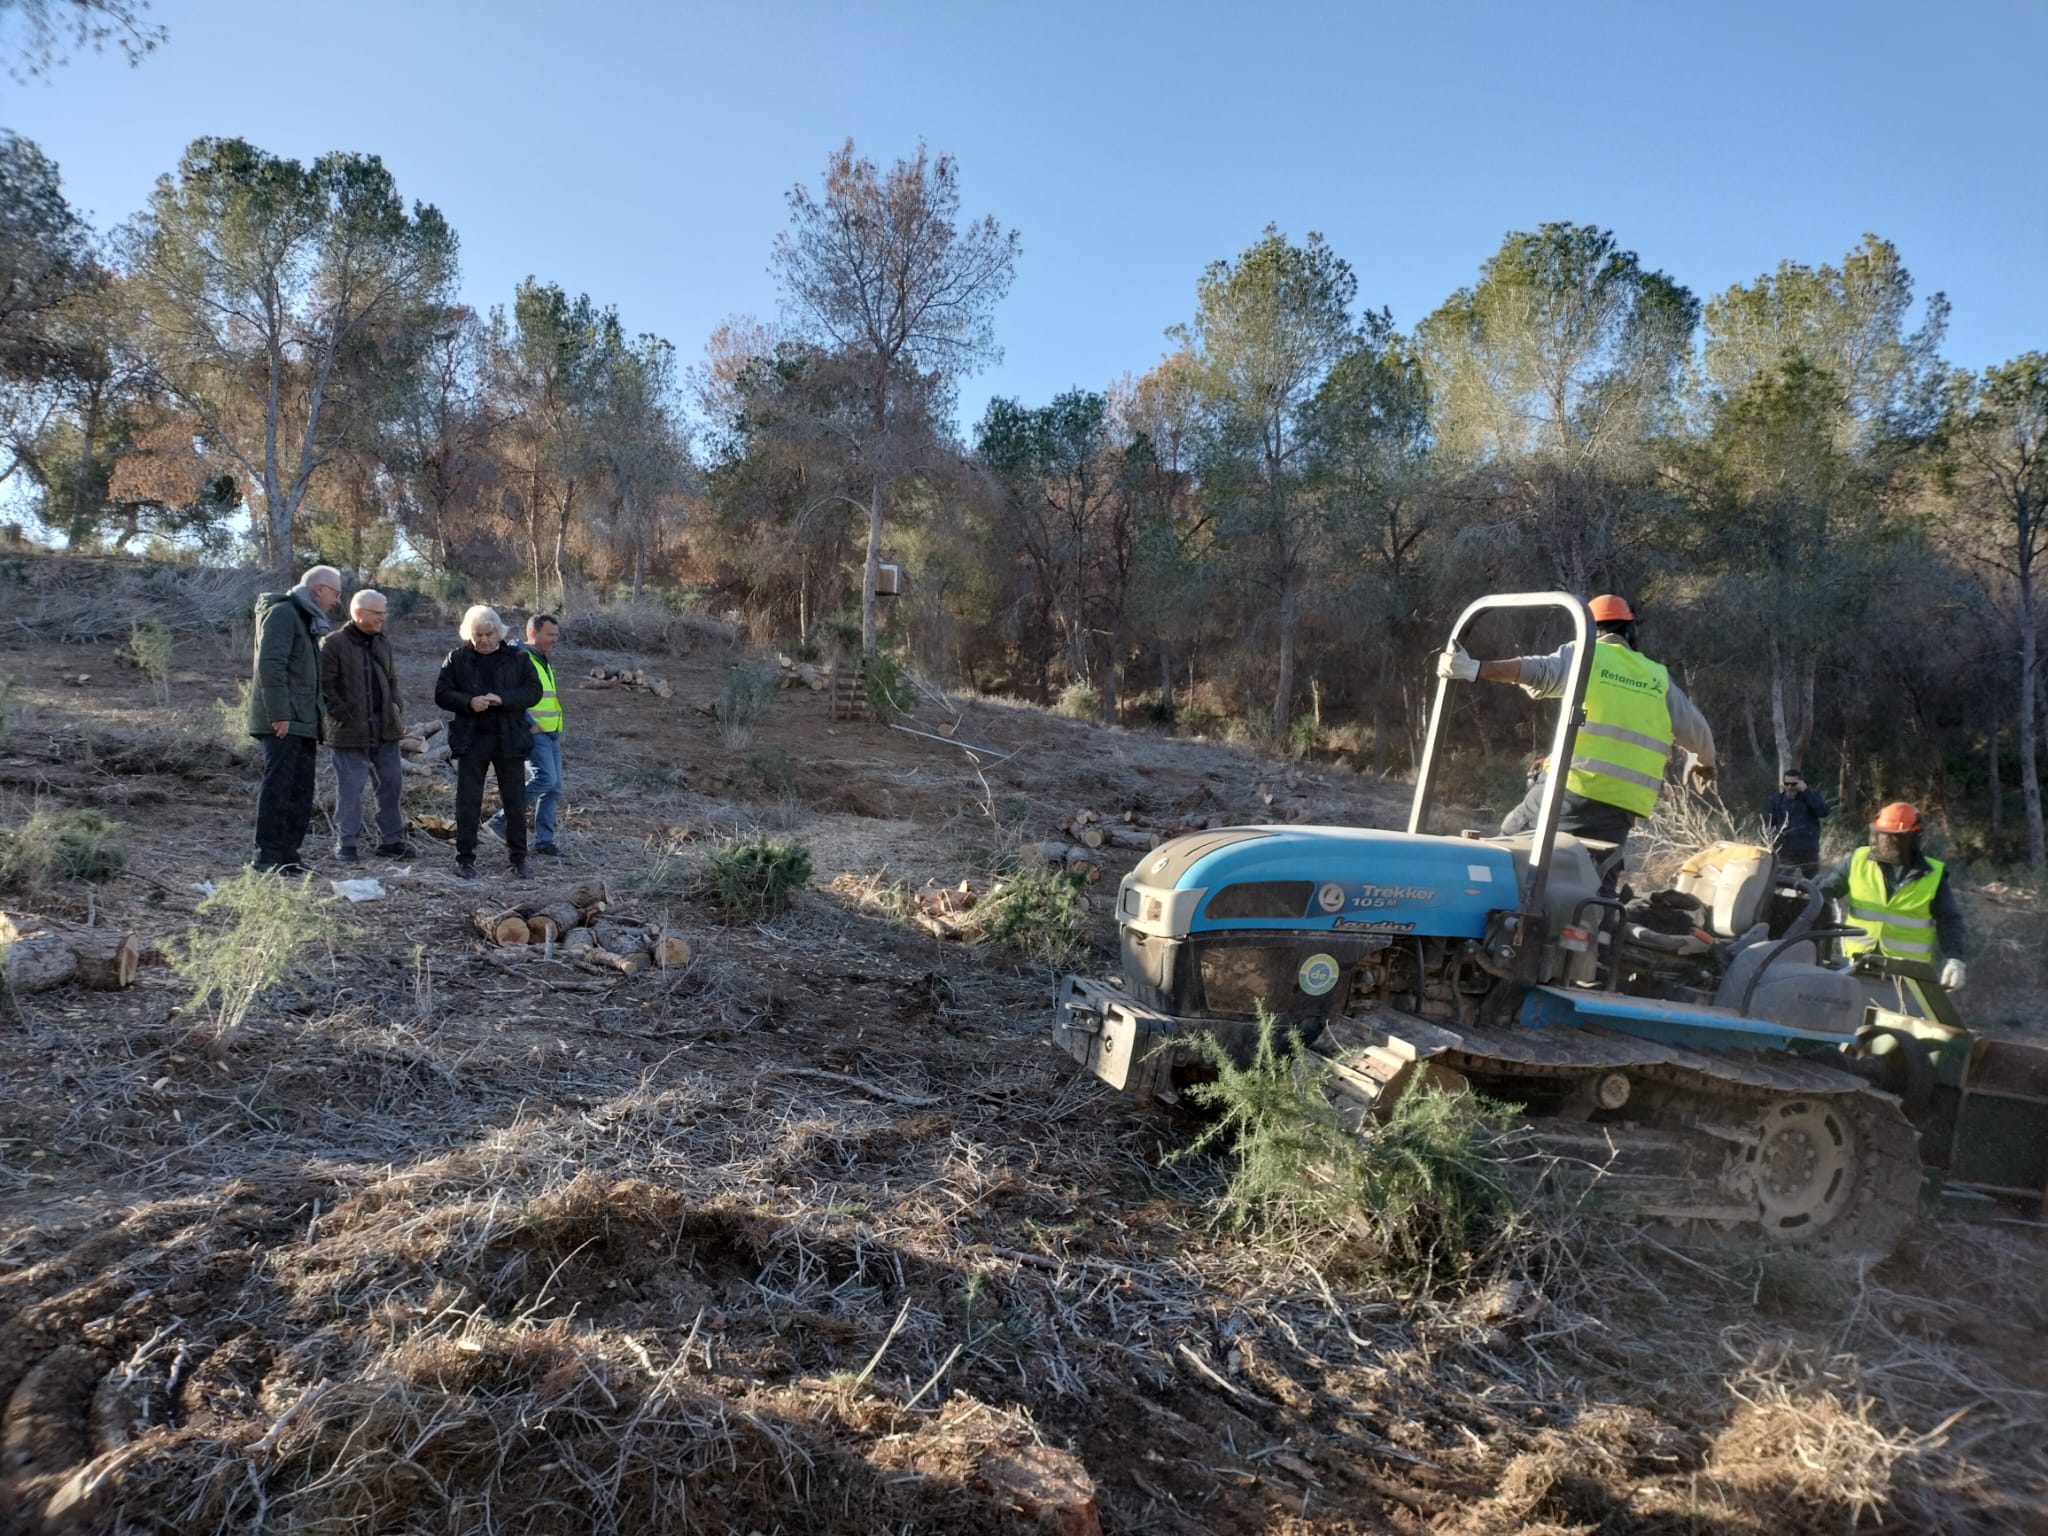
640	151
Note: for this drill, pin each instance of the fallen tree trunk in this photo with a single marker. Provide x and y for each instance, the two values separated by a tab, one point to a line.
102	959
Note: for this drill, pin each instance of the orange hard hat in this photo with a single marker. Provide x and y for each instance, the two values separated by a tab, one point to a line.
1609	609
1899	816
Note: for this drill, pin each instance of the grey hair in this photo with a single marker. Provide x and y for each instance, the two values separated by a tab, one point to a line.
364	598
321	576
481	617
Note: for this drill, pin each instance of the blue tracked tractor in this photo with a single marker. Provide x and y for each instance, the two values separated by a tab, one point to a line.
1709	1071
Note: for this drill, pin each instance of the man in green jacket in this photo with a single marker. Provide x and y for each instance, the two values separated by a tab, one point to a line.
284	713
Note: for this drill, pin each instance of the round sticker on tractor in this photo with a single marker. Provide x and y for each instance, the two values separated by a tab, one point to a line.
1318	974
1331	897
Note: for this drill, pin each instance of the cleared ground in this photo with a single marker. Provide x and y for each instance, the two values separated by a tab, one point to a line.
816	1233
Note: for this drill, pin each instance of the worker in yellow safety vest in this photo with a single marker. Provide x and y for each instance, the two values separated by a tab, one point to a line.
544	763
1903	901
1634	716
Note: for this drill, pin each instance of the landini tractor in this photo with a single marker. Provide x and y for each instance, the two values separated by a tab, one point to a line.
1691	1048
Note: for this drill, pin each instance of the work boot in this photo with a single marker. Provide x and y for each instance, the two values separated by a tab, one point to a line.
348	855
519	869
465	869
397	850
547	850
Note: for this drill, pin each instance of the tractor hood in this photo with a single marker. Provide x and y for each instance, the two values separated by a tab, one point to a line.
1318	879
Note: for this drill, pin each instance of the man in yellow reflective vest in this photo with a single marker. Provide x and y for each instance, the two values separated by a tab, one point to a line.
544	763
1902	900
1634	716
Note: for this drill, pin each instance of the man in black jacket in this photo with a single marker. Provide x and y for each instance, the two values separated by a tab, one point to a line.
362	722
488	687
1793	816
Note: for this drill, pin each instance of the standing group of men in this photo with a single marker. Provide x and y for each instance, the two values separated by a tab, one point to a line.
317	682
1635	716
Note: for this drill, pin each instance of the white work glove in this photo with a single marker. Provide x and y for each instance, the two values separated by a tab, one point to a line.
1700	776
1952	975
1455	665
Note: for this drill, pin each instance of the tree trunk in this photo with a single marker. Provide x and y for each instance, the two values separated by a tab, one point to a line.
1781	725
1994	783
561	543
81	525
2030	769
871	573
1756	746
101	958
1283	689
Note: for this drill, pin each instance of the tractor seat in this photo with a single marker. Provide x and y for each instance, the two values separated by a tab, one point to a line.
1732	882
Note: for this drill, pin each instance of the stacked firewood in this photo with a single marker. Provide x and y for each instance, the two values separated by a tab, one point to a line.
424	747
579	925
629	677
795	673
1087	837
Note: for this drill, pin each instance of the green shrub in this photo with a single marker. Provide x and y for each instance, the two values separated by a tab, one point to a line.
1304	736
1411	1198
767	773
1036	914
149	647
1079	701
63	845
890	693
741	701
231	716
273	924
756	876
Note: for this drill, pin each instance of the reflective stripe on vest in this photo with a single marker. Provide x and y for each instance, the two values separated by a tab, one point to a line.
1626	739
1900	924
547	714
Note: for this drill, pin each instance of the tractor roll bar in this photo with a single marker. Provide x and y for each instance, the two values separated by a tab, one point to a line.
1562	740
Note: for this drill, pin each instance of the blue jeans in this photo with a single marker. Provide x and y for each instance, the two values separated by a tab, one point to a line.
543	787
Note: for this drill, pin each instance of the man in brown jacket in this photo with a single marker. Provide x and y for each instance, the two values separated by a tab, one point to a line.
363	721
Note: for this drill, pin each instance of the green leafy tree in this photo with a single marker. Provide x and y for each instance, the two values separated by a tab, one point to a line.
262	285
1815	392
549	360
1069	511
1852	321
1268	329
1994	465
1369	442
1552	374
878	268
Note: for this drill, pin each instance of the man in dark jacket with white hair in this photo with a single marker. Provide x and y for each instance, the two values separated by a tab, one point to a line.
363	722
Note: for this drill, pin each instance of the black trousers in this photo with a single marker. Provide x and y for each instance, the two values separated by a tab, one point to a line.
284	803
470	773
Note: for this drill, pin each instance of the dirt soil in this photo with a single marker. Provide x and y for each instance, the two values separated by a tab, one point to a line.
817	1232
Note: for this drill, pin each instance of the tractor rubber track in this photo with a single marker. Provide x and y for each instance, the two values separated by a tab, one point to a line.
1691	1150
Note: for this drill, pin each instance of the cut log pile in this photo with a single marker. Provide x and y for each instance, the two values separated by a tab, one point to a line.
795	673
629	677
48	956
937	907
579	925
424	746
